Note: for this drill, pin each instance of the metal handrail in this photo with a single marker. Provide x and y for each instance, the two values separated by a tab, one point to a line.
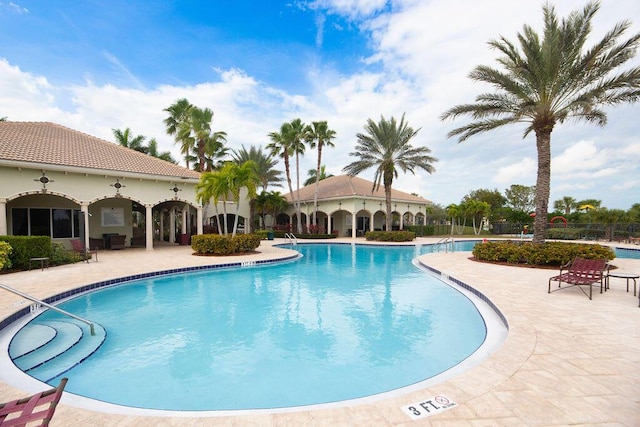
291	238
59	310
445	241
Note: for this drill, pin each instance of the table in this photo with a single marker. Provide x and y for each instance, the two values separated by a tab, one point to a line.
44	262
623	275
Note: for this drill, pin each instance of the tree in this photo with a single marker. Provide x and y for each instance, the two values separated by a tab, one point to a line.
609	217
313	173
152	150
565	205
191	127
215	150
494	198
386	147
126	139
549	80
454	211
239	177
213	186
318	135
265	165
477	210
286	143
270	203
521	197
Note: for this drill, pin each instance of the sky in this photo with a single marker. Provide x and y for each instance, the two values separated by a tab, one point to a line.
95	66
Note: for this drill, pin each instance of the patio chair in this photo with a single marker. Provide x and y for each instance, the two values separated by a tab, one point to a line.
117	241
581	272
86	254
39	407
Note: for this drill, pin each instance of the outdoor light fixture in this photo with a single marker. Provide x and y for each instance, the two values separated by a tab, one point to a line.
117	186
44	180
175	190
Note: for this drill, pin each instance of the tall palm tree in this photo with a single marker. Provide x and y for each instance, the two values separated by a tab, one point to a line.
215	150
318	135
195	131
386	146
179	113
265	165
551	79
313	173
126	139
286	143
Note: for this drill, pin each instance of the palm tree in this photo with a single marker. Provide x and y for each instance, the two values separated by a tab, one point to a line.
179	113
453	211
478	211
238	177
213	186
152	150
551	80
215	150
286	143
126	139
195	131
566	204
265	164
318	135
313	173
270	203
386	147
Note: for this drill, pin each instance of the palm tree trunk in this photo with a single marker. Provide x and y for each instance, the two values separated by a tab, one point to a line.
388	181
287	169
315	194
297	204
543	184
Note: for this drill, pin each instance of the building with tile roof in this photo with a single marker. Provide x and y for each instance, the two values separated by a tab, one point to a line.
351	206
64	183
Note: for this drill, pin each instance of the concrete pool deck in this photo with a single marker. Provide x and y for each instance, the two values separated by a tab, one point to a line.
566	361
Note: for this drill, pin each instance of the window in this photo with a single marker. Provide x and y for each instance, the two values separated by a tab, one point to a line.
56	223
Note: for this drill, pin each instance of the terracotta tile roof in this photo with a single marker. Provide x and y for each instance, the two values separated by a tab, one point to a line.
44	143
344	186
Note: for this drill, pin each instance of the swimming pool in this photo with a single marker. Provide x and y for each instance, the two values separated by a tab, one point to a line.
347	321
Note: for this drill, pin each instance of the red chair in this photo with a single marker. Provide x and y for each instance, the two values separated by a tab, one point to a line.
581	272
39	407
85	254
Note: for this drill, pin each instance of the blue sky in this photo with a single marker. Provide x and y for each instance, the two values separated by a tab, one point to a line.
95	66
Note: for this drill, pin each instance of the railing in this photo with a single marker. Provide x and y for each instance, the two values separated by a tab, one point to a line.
59	310
291	238
446	241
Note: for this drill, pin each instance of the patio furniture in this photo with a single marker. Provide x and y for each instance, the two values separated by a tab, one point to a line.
43	260
622	275
96	243
581	272
39	407
85	254
117	241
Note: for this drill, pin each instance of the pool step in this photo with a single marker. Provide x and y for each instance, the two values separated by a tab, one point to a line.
71	344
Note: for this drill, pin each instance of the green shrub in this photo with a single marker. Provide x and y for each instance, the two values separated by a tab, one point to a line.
564	233
391	236
5	251
545	254
421	230
263	234
60	255
26	247
215	244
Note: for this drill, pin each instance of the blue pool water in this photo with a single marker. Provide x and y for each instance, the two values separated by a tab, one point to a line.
627	253
340	323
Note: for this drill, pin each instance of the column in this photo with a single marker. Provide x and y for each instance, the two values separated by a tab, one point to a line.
3	217
354	223
199	219
183	230
172	225
148	224
84	210
329	226
161	213
371	215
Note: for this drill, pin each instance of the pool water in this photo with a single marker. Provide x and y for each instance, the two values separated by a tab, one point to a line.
342	322
627	253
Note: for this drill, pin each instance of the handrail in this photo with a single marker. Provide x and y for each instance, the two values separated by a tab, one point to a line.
445	241
37	301
291	237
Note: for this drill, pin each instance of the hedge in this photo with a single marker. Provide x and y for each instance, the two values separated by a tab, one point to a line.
390	236
5	250
543	254
25	248
215	244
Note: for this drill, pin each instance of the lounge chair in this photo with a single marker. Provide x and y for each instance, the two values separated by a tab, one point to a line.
79	248
30	409
581	272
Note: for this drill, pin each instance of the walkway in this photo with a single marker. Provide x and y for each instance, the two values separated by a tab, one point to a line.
566	361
